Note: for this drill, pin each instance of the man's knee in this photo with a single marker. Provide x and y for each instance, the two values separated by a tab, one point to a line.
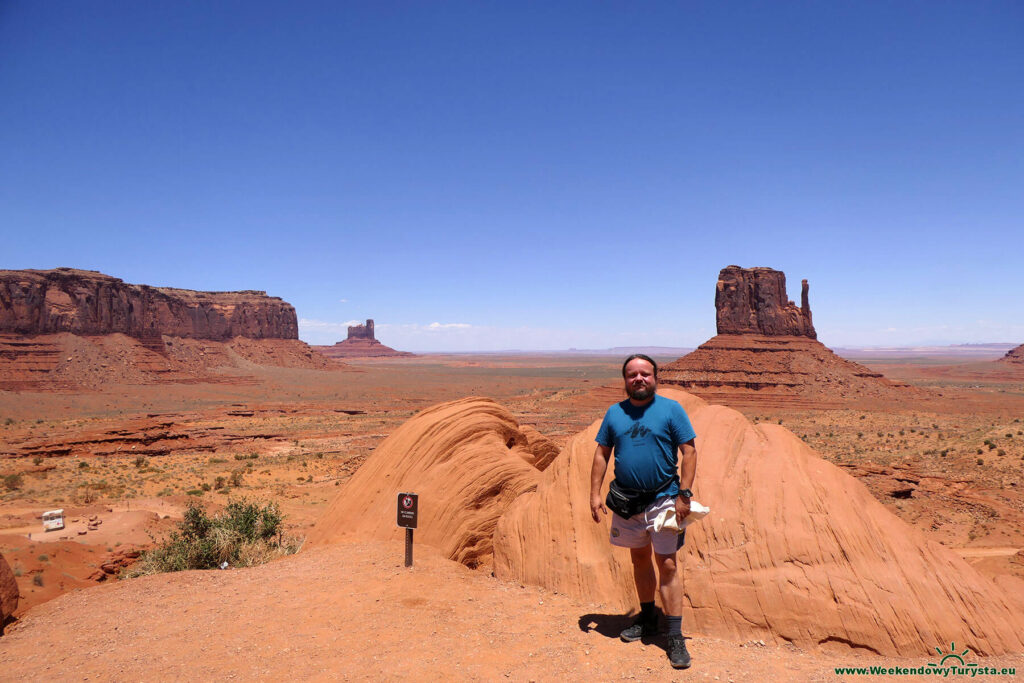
668	565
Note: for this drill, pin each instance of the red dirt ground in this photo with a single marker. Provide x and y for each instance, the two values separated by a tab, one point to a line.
353	611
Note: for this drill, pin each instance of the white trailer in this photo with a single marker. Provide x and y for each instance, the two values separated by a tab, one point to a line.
53	520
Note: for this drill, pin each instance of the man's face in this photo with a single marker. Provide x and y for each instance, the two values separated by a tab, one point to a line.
640	380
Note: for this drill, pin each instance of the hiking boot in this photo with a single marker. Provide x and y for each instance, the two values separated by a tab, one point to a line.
641	628
677	653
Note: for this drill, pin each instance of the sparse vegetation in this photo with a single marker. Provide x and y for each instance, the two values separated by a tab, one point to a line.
243	535
13	482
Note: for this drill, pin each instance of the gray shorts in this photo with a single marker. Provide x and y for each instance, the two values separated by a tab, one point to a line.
638	530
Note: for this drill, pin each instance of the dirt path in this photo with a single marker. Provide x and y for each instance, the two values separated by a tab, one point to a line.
353	612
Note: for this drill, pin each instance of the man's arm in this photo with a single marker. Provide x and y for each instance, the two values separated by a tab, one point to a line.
687	473
597	471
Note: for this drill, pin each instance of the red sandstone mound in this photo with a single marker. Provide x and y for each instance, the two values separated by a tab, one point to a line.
467	459
361	343
795	550
766	351
1014	356
69	328
8	592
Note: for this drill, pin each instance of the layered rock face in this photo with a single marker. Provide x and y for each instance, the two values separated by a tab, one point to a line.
89	303
753	301
62	329
467	459
361	343
794	550
1014	355
766	351
8	592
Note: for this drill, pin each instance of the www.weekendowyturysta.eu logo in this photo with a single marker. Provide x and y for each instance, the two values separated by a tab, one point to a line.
952	663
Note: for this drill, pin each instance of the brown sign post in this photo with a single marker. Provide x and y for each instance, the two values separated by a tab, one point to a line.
408	514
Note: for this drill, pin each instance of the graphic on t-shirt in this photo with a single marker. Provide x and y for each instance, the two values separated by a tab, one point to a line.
638	432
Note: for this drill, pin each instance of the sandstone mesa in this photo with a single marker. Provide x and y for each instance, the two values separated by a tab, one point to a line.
67	328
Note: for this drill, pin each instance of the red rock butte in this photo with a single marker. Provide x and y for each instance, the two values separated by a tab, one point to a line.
57	327
766	351
795	550
360	343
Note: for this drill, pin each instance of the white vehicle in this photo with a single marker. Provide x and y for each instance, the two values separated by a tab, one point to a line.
53	520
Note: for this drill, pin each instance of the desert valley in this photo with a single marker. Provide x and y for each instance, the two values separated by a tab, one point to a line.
866	505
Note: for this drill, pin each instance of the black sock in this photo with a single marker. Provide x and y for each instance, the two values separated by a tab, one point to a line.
675	625
647	612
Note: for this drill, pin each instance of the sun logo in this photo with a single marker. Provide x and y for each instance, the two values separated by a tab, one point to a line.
952	655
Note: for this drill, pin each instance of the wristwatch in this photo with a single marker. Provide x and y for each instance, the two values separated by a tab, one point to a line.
686	493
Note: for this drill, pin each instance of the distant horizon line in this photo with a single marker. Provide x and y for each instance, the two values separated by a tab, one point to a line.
977	347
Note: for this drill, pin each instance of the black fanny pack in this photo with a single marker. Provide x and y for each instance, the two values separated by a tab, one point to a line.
626	502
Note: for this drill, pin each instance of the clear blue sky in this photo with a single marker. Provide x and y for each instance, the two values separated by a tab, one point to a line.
531	175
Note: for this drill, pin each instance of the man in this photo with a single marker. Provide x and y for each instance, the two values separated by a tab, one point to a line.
644	432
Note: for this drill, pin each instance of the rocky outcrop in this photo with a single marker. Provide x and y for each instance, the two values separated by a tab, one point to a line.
766	352
361	343
34	302
467	459
8	592
795	550
1014	355
754	301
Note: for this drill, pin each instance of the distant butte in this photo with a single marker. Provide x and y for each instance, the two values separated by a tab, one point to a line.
361	343
1014	356
766	351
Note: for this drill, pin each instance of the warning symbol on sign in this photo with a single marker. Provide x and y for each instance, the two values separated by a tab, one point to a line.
408	510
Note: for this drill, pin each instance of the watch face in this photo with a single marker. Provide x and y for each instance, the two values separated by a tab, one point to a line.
686	493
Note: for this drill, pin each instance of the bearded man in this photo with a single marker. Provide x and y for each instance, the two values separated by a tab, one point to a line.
645	432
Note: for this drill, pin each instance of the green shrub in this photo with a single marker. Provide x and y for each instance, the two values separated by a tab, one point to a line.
243	535
13	482
140	462
37	580
38	460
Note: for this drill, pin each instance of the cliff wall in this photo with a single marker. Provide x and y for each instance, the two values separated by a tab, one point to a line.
754	301
90	303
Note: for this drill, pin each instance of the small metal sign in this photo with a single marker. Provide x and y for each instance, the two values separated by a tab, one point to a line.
408	510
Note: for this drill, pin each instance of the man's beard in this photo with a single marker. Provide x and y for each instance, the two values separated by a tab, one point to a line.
641	394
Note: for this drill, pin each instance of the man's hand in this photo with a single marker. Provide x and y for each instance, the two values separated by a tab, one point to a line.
682	507
597	470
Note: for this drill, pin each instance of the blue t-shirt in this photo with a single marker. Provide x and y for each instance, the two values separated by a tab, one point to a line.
646	440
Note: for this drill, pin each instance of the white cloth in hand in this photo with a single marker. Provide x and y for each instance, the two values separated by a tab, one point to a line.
667	519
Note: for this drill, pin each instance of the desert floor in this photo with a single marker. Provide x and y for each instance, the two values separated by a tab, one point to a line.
124	462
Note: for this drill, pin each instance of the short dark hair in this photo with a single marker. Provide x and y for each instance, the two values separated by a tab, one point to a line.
641	356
